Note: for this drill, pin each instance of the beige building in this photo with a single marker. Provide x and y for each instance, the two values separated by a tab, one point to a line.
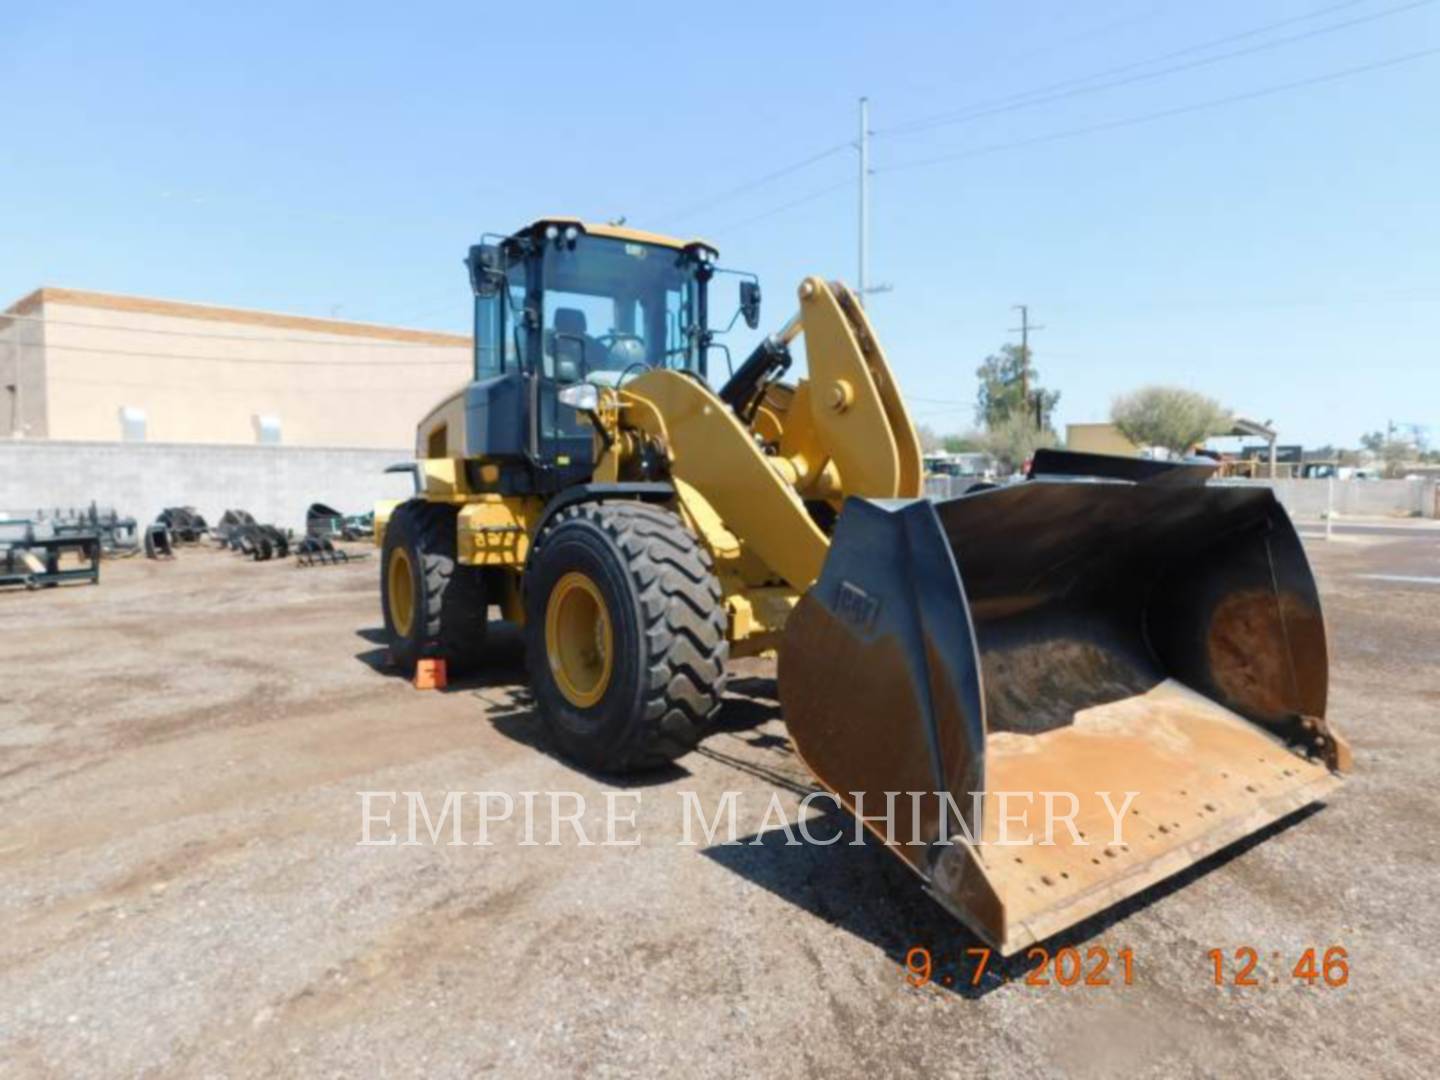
103	367
1099	439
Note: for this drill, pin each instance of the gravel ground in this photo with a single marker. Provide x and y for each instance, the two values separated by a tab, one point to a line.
182	891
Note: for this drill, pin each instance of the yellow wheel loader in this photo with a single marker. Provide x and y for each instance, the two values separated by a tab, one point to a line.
1130	654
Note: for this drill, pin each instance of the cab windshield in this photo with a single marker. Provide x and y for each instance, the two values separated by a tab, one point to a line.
615	308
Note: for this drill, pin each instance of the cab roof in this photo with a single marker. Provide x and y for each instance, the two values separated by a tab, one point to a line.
618	232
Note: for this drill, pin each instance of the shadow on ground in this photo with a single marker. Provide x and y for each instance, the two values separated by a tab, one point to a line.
500	681
868	892
859	888
502	661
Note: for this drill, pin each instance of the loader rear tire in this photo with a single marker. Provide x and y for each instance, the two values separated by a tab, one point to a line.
433	606
651	635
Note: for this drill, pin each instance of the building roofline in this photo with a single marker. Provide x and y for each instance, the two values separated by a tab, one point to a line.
49	294
1243	427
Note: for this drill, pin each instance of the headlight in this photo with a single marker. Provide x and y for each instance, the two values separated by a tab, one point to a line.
571	234
582	396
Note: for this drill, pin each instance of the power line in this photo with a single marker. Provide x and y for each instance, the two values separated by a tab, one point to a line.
930	414
941	401
435	309
1110	125
925	123
1046	99
1404	296
1093	32
1032	99
1038	97
743	222
750	185
829	151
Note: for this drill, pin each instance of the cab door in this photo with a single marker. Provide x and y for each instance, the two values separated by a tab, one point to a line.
567	350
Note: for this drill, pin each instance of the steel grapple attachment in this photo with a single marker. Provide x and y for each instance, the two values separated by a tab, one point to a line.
1088	685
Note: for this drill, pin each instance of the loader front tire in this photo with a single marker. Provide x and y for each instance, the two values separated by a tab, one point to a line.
434	607
625	636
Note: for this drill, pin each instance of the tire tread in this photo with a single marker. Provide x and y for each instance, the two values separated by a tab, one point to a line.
683	626
454	607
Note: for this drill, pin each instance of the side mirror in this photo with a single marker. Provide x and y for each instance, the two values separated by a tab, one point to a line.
485	273
750	303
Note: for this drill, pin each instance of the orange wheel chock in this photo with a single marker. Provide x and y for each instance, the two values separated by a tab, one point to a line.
430	675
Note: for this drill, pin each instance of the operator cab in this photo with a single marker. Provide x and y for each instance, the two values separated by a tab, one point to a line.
561	302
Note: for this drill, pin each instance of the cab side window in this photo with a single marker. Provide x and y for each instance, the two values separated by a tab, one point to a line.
488	341
499	333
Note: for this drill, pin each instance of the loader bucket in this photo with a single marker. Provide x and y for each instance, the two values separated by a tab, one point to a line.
1050	646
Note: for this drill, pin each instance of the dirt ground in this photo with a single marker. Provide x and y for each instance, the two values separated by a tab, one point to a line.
182	891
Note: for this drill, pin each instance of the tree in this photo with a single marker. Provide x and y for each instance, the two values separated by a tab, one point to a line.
1004	378
963	444
1014	441
1168	416
929	441
1396	453
1392	451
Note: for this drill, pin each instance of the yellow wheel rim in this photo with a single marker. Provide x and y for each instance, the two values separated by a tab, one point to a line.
400	587
579	640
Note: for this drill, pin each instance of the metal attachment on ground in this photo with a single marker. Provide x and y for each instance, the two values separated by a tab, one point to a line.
239	531
118	536
157	542
314	550
326	521
264	542
185	524
30	553
232	522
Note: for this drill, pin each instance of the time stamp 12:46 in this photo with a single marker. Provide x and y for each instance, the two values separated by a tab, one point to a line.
1097	965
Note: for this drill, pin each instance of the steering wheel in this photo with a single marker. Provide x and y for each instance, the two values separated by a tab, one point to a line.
622	352
610	340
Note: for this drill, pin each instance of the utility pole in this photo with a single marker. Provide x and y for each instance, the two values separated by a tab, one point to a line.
864	146
1024	331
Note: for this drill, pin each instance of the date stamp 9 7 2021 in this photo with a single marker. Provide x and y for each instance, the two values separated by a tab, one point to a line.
1066	967
1100	966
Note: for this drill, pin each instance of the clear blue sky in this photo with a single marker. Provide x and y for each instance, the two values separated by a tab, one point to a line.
1281	252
